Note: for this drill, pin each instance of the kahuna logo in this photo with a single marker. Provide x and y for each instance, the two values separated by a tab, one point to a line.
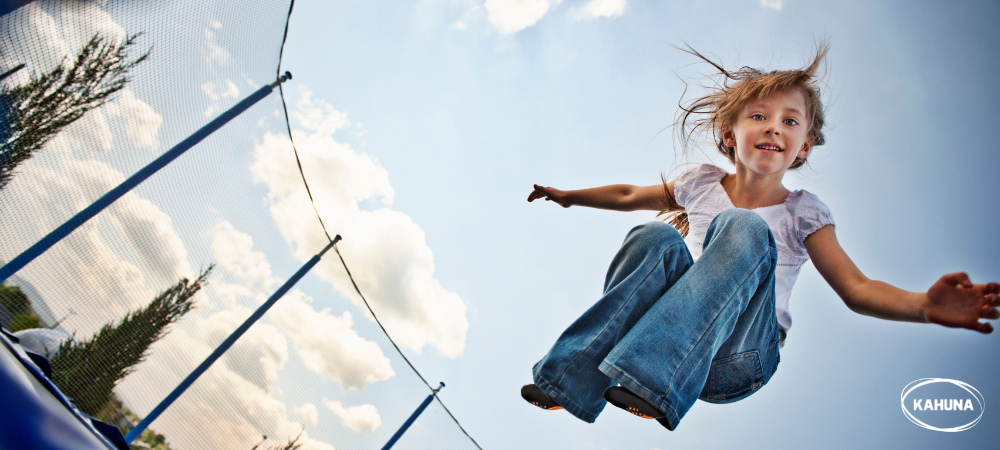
950	405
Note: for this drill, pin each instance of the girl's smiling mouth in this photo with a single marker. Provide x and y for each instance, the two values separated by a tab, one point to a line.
769	147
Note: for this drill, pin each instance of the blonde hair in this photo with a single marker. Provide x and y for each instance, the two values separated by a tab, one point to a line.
719	110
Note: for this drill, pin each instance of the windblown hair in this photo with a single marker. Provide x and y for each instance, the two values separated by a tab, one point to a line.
719	110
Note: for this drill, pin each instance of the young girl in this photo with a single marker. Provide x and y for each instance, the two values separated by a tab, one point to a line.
701	313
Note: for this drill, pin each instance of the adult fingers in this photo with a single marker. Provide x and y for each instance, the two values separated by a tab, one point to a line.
989	313
984	328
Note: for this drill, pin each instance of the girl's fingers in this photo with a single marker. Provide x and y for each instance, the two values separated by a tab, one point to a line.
957	279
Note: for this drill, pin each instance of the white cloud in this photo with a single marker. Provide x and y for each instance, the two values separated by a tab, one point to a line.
213	52
233	251
90	133
328	345
120	259
221	94
51	46
308	413
89	263
511	16
385	249
362	418
142	123
78	32
773	4
318	115
257	356
38	30
601	8
223	409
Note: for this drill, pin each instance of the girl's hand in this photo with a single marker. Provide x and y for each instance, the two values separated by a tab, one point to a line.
953	301
550	194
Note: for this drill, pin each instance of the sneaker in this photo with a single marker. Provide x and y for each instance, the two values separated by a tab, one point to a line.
535	396
625	399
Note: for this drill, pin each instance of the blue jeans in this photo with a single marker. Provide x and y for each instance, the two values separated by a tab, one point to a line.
670	330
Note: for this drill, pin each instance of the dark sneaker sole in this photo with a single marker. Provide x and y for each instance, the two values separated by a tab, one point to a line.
631	403
532	394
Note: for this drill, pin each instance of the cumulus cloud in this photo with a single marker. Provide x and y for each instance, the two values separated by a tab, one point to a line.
386	250
223	409
308	413
258	355
142	123
120	259
233	251
511	16
362	418
327	344
87	264
214	53
773	4
51	45
601	8
221	94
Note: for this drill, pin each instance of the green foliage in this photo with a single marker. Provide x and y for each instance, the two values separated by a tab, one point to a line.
88	370
48	103
115	413
24	322
14	300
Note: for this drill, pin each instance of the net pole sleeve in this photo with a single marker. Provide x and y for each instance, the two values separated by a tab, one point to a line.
198	371
107	199
413	418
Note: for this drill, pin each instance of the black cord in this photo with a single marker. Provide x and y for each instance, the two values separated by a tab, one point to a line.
342	262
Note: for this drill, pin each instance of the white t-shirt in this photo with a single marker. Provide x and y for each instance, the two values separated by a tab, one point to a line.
700	192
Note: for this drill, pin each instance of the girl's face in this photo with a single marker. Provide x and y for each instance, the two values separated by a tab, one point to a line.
770	133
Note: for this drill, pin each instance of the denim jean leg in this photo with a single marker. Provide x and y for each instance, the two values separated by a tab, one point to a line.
651	259
666	357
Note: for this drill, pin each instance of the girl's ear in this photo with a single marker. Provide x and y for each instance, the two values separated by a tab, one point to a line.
804	151
728	138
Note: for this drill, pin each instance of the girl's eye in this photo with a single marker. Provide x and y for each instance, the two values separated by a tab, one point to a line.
757	117
791	122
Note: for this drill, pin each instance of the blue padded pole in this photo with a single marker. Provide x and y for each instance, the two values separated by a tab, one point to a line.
413	418
135	432
73	223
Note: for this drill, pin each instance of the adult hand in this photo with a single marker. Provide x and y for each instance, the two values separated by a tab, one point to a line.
550	194
954	301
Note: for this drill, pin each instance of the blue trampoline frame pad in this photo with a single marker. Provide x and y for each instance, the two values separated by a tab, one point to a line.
34	413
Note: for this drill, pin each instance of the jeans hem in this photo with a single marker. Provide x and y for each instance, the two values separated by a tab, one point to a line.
556	394
630	383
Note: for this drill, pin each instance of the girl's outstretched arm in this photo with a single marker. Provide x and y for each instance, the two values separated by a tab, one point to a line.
953	301
617	197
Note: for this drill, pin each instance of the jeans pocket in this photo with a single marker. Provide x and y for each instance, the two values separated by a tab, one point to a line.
733	378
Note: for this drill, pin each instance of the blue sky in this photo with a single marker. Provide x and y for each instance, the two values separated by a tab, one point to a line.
423	126
465	120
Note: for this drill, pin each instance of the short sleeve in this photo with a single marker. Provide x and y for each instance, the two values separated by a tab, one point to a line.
693	180
809	213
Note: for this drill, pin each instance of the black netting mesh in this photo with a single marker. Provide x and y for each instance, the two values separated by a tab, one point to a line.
316	364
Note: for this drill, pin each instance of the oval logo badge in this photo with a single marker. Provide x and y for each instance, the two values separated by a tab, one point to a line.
941	404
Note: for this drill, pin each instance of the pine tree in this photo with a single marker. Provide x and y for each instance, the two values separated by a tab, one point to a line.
38	110
87	371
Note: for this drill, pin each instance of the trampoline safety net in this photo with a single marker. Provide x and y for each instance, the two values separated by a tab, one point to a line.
128	304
